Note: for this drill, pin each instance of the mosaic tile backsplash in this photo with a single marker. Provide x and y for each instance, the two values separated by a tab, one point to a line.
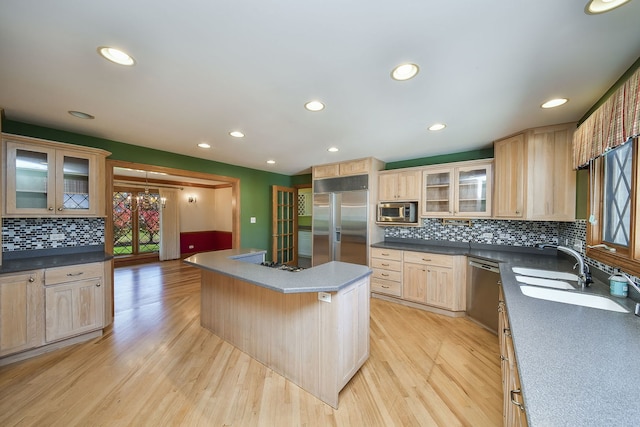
504	232
22	234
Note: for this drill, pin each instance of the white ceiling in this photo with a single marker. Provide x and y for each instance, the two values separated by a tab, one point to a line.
205	68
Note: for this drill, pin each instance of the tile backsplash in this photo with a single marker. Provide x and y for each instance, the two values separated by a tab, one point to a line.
22	234
503	232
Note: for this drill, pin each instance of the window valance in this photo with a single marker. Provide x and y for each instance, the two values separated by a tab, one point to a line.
613	123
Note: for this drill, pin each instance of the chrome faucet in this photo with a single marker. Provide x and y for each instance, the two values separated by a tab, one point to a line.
584	274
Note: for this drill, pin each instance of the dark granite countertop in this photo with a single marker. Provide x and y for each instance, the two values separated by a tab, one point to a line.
577	365
37	259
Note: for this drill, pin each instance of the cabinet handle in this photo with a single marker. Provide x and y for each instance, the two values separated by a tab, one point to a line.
513	399
75	274
98	285
384	265
31	279
384	254
426	260
503	358
384	274
506	332
517	212
385	287
50	208
60	209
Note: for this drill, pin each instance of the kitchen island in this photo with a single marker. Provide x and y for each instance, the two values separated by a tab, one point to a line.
311	326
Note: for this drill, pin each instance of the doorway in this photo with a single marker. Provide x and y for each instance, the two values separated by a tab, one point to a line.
157	179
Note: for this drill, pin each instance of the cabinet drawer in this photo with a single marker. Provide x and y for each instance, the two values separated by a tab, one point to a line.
386	287
387	275
386	264
392	254
428	259
72	273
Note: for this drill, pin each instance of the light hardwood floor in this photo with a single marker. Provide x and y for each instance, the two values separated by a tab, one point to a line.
156	366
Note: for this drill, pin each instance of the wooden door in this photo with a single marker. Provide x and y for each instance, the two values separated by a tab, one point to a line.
509	157
439	287
21	308
284	225
414	282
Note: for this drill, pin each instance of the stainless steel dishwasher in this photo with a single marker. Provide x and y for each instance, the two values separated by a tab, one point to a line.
482	293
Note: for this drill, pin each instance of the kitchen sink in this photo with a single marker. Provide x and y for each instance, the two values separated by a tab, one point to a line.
575	298
547	274
547	283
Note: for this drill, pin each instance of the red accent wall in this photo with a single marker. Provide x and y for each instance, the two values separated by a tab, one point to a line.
204	241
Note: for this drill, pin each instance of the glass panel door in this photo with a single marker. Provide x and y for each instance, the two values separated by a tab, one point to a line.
75	183
32	179
472	190
437	198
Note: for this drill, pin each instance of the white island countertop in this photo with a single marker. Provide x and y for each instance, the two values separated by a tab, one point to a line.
329	277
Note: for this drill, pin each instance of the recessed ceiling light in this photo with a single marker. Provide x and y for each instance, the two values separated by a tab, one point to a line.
81	115
595	7
333	149
204	145
437	126
314	106
554	103
404	72
236	134
116	55
271	162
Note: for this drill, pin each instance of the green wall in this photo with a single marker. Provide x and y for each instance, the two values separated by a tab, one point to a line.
255	185
486	153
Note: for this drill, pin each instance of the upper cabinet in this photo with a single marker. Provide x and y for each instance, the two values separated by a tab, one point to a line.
52	179
352	167
457	190
400	186
534	179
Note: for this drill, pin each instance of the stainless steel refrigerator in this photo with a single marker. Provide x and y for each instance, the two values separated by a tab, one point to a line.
340	212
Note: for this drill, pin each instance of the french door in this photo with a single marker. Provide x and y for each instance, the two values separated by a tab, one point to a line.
284	225
136	221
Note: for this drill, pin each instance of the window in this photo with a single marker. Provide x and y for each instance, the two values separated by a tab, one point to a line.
614	205
136	221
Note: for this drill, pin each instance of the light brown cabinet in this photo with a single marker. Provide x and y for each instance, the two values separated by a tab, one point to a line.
21	311
352	167
43	308
399	186
513	410
534	179
387	271
47	179
430	279
74	300
461	189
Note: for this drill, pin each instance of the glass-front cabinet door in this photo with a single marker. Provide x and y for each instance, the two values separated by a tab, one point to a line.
473	191
46	181
462	191
30	180
74	185
438	192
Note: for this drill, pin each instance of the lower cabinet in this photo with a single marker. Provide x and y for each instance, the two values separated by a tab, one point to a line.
513	411
433	280
73	308
21	311
43	306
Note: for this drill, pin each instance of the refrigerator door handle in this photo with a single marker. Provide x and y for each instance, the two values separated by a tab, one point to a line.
338	234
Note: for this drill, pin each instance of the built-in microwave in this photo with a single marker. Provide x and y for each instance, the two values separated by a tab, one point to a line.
399	212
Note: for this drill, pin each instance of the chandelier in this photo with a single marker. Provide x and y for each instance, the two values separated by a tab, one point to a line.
147	200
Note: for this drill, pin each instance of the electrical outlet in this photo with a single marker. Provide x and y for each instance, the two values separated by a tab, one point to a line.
253	220
577	245
191	246
324	296
56	236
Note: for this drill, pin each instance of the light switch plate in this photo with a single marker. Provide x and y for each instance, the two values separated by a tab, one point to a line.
253	220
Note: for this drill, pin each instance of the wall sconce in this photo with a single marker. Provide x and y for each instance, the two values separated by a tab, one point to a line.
192	199
163	202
